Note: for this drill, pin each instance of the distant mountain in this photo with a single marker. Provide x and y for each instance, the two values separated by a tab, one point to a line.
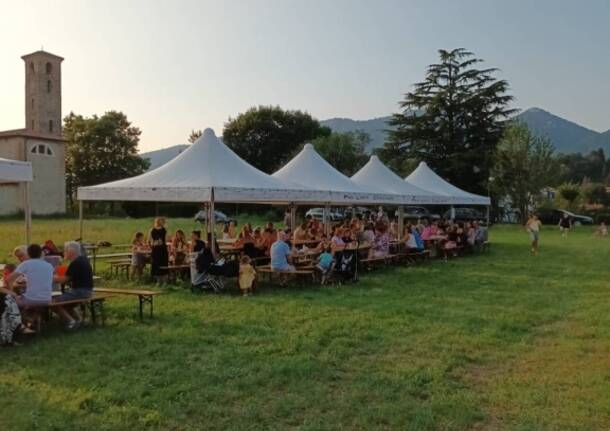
566	136
161	157
375	128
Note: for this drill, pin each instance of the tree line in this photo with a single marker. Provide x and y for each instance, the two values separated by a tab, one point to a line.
457	119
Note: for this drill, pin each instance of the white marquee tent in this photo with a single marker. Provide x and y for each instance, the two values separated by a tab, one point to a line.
309	169
206	171
377	174
425	178
13	171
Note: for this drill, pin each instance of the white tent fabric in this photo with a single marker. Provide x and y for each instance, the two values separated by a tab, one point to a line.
425	178
310	169
13	171
207	165
377	174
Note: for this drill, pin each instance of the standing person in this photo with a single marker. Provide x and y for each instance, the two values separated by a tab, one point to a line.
138	254
247	275
565	224
159	256
197	244
533	226
80	277
287	219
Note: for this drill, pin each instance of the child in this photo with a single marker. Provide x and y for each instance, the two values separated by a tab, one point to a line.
138	254
247	275
325	262
602	230
9	268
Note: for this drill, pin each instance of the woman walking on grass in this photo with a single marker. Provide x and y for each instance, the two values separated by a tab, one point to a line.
533	226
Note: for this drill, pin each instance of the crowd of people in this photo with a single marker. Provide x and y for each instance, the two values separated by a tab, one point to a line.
32	284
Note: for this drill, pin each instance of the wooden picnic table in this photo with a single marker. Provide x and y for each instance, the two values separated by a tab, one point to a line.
174	270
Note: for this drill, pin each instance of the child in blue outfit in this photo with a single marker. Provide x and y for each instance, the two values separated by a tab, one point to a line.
325	262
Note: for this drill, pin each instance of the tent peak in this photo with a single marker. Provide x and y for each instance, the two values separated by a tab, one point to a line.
374	157
308	146
208	133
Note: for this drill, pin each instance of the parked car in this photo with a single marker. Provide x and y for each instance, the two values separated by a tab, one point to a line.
465	214
219	217
552	216
317	213
416	213
357	211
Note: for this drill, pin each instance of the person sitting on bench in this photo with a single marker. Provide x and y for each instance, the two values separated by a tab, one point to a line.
280	252
39	279
80	277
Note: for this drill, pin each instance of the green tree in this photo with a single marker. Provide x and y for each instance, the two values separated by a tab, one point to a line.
570	192
100	149
595	193
195	134
524	165
577	167
452	120
266	136
345	151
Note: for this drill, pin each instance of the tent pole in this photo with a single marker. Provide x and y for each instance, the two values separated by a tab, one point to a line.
488	208
212	224
293	217
401	222
27	209
452	213
326	219
80	221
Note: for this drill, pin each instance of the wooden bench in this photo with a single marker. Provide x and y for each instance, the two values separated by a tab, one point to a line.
299	273
371	262
119	267
144	296
174	270
413	256
95	303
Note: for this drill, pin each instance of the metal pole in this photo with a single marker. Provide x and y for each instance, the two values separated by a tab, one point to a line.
488	208
401	222
293	217
452	213
80	221
27	209
327	219
212	225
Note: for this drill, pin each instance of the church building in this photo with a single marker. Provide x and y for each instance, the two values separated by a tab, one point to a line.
40	142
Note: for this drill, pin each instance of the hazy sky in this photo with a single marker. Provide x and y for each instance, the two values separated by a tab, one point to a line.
173	66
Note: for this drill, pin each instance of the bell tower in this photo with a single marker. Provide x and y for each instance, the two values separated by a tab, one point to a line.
43	93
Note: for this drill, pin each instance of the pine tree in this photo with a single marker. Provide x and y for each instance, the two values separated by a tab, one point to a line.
452	120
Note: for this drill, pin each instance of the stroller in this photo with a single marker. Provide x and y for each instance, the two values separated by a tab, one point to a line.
346	267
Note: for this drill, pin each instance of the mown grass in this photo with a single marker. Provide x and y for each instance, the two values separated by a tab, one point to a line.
499	341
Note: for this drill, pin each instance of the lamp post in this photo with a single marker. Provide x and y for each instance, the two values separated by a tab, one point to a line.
489	180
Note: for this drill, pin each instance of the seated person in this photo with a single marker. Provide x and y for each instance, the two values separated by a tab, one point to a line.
9	268
232	230
79	276
300	233
179	248
381	245
196	243
21	253
138	254
410	242
50	249
280	253
426	231
602	230
201	264
336	241
39	279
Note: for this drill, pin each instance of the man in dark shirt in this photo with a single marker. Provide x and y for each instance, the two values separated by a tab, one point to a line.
80	278
196	241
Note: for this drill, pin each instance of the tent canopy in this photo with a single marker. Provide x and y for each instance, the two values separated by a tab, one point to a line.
427	179
379	175
310	169
13	171
208	164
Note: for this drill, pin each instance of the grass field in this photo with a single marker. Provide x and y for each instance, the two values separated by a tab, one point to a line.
502	341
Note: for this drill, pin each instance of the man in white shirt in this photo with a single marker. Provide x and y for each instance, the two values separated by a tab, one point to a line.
39	278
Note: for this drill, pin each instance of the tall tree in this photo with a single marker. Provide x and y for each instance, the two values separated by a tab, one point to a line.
195	134
345	151
452	120
570	192
266	136
100	149
577	167
524	165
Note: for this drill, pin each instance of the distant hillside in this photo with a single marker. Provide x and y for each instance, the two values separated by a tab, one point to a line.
375	128
566	136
